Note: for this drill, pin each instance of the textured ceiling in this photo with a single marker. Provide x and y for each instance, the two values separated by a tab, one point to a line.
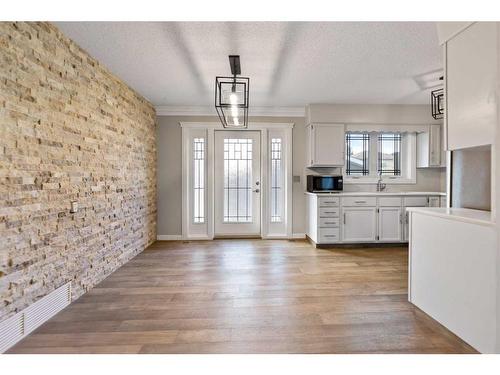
290	64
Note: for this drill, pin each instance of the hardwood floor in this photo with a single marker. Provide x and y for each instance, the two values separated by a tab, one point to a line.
248	296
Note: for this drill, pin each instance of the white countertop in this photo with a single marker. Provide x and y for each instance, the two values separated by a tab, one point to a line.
459	214
381	193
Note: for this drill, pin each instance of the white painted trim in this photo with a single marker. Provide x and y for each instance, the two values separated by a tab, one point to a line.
185	183
289	181
264	183
251	125
15	328
298	236
169	237
167	110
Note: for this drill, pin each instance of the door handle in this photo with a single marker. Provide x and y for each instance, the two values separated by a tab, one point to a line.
256	191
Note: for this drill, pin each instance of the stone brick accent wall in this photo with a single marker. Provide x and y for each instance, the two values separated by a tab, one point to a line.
69	131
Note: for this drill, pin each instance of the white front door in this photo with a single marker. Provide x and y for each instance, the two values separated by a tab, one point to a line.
237	183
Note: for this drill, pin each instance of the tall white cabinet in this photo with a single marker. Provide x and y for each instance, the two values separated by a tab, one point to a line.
471	64
325	145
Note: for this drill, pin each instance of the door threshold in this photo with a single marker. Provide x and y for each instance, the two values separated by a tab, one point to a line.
237	237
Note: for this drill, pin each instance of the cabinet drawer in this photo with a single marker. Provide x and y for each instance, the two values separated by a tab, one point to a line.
326	235
328	222
415	201
359	201
389	202
328	201
328	212
434	201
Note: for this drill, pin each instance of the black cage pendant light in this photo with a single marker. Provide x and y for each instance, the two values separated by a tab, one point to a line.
231	96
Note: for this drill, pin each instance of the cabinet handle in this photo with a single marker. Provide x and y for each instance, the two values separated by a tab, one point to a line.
359	201
329	235
400	218
344	217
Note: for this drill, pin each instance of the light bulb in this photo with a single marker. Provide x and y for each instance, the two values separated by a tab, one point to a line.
233	98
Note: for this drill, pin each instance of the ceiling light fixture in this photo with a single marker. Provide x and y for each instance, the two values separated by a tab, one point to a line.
437	102
231	96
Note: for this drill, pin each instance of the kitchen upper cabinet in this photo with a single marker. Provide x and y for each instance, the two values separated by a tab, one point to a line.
359	224
390	222
429	148
326	145
470	86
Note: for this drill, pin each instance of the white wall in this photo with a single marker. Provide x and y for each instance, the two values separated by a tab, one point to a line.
169	156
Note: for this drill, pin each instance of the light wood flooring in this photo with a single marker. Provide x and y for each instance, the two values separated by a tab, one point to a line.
248	296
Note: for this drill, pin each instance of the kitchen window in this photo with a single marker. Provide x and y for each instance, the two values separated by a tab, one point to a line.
357	154
389	154
374	155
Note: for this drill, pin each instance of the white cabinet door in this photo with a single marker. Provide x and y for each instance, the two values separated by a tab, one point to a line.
435	146
406	225
390	224
359	224
327	144
471	79
429	147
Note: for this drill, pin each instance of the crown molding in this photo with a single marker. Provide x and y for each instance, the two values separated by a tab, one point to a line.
210	111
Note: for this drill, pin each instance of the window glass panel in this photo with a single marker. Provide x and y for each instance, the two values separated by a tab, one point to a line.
357	154
276	180
237	180
199	180
389	154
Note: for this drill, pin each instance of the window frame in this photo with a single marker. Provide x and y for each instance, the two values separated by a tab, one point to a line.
408	162
198	186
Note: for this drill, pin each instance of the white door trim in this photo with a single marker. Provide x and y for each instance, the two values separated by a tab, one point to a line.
190	128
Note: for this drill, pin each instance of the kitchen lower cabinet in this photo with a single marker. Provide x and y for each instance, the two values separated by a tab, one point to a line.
390	222
337	219
359	224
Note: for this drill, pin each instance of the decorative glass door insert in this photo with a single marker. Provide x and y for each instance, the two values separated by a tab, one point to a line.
237	182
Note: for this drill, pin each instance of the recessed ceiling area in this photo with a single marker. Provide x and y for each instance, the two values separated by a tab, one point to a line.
290	64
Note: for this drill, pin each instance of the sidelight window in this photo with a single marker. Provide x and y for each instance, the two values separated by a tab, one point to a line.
276	180
199	180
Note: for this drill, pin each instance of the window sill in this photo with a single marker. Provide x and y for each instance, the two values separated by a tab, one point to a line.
374	180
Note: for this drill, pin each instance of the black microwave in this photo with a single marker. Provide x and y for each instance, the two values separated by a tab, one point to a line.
324	184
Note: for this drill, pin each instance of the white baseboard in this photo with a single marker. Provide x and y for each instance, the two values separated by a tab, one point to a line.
169	237
178	237
24	322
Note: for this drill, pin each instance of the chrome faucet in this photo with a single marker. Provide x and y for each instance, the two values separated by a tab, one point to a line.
380	185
